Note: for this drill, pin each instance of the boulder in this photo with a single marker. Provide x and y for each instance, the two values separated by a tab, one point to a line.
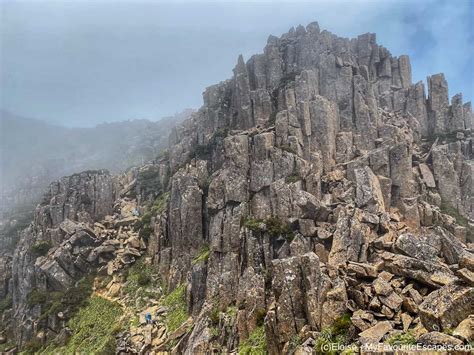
374	334
447	307
419	246
311	207
429	273
465	329
466	275
362	319
96	252
368	192
307	227
427	175
438	338
69	227
125	221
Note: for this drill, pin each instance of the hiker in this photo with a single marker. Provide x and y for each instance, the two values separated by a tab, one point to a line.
135	212
148	318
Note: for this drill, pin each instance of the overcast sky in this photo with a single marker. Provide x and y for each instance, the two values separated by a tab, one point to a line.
82	62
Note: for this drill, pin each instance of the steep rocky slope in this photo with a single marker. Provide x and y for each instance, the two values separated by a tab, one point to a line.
318	197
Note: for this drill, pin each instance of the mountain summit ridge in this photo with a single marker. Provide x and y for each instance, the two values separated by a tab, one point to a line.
317	198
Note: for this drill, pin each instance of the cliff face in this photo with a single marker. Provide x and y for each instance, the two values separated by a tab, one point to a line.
84	197
317	184
327	138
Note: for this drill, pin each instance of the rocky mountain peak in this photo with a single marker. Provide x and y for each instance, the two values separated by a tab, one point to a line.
317	197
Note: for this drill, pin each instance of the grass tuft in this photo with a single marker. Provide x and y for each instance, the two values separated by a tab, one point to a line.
160	203
140	275
36	297
94	327
448	209
333	337
175	302
402	339
255	344
202	256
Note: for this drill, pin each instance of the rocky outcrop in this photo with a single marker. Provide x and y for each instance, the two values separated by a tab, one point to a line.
316	188
81	198
323	145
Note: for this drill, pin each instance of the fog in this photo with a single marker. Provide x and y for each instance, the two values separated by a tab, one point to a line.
79	63
34	153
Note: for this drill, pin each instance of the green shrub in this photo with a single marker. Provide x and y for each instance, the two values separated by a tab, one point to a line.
145	232
256	225
273	226
32	346
214	315
40	248
135	321
159	205
327	343
5	304
231	311
333	337
448	331
143	279
143	226
255	344
6	347
276	228
80	293
202	256
214	332
36	297
175	302
140	275
261	314
51	308
146	218
448	209
402	339
103	281
71	299
293	344
342	324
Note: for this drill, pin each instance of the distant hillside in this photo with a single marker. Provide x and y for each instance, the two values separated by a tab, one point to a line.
33	152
